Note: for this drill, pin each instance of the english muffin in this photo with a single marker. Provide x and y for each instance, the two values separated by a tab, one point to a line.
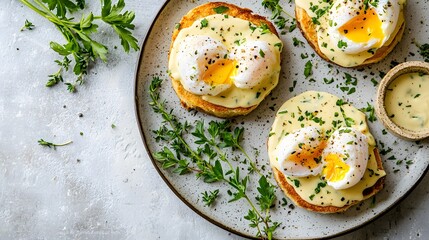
353	33
322	153
224	59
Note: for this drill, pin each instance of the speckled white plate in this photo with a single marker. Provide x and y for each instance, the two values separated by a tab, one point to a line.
296	222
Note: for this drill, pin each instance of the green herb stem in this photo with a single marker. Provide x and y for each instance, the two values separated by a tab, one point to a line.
50	144
78	34
160	107
259	215
213	171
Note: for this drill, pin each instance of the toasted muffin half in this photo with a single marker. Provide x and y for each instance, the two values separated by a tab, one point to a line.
293	195
306	154
192	101
308	30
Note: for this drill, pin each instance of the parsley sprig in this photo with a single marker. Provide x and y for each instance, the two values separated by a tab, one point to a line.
80	43
210	161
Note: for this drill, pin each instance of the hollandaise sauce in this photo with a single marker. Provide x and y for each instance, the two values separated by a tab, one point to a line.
407	101
232	33
349	32
328	112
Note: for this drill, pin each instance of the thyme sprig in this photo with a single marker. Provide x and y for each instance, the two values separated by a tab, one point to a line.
209	198
210	161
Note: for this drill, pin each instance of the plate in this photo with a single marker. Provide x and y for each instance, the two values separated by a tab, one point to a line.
296	222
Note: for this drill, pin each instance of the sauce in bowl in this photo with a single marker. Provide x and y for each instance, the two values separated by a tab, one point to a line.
407	101
402	102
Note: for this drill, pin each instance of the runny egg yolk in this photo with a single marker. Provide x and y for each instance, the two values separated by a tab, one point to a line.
364	27
308	156
220	72
335	168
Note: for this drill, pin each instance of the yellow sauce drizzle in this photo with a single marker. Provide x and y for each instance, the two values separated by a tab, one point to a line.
230	31
329	48
324	104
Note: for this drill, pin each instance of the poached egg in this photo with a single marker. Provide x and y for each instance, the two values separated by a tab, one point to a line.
345	158
299	152
228	61
356	26
341	159
208	67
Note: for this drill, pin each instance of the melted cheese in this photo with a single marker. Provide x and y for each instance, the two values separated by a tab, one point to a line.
407	101
328	48
295	114
232	31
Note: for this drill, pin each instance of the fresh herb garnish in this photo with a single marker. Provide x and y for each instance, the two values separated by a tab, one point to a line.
349	85
319	186
340	102
277	14
297	42
319	11
80	43
370	110
50	144
264	29
204	23
341	44
349	121
261	53
209	160
308	70
27	25
328	81
295	181
220	9
210	198
373	3
424	51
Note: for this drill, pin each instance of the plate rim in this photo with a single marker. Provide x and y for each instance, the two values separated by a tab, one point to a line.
139	122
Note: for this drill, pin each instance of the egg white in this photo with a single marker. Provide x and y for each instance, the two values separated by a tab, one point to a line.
255	61
195	54
290	145
352	146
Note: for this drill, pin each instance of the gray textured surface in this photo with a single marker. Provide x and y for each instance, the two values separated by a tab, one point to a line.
113	192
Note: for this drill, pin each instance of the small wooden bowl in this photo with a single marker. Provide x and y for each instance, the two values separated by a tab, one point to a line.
403	68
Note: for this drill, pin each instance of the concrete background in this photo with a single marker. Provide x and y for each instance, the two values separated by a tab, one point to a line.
103	186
